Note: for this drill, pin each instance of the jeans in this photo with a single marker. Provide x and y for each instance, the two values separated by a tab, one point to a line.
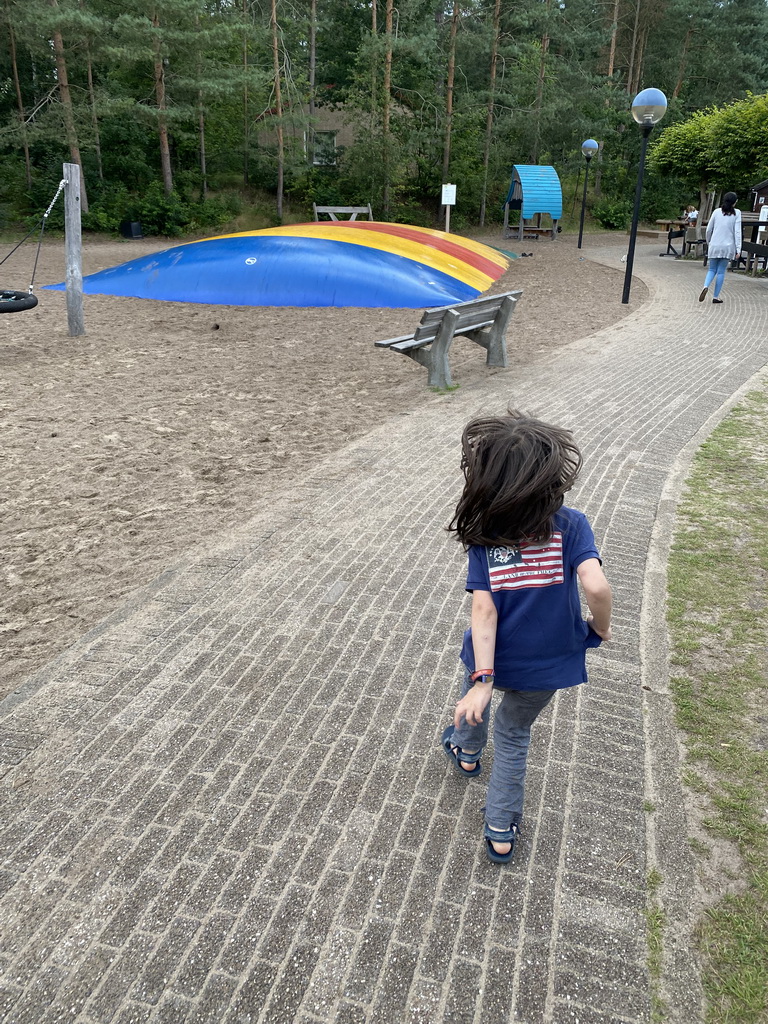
512	722
716	271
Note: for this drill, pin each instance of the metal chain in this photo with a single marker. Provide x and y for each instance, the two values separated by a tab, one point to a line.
62	184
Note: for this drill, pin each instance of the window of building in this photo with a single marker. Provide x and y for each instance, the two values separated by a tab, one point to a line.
323	148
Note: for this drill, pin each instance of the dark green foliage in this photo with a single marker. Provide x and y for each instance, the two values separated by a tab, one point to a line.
159	214
723	148
551	92
614	214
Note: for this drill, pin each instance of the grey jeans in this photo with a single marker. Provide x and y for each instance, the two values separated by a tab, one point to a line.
512	721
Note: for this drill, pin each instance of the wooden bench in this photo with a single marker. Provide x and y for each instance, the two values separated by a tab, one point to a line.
530	232
755	253
353	211
483	321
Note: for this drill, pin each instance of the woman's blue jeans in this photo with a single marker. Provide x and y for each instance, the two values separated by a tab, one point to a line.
716	272
512	721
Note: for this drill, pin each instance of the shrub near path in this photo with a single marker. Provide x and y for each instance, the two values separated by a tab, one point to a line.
718	616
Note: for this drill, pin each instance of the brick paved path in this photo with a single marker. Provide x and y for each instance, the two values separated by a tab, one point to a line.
228	804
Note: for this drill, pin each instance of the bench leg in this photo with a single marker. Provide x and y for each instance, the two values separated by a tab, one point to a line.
497	334
439	370
494	339
435	358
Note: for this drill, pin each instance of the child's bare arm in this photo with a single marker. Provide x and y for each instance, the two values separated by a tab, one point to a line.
597	591
484	619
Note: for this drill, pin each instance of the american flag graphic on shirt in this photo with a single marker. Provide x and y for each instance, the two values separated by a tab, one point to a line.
530	565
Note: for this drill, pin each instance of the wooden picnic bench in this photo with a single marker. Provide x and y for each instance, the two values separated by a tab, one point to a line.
353	211
482	320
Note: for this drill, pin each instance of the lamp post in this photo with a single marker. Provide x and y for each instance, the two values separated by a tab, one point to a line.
589	147
648	108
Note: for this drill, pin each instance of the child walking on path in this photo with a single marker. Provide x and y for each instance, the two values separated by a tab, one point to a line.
528	638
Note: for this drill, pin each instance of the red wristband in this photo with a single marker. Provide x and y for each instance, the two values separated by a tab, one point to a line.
481	672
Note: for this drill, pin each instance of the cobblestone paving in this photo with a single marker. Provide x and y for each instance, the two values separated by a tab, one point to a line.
227	804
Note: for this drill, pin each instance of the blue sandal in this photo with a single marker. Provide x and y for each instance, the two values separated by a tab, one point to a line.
491	836
457	755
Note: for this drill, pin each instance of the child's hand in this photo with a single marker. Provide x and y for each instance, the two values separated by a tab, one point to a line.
473	704
604	634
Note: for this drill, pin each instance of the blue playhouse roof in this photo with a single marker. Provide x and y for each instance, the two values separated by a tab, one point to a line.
541	191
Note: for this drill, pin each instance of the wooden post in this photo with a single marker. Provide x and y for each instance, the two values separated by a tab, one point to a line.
73	244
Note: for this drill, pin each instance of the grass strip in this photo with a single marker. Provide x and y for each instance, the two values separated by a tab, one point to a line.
718	619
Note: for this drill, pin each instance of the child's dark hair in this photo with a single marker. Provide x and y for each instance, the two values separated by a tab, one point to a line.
729	204
516	471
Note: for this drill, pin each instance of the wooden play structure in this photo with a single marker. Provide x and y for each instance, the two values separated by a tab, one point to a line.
534	192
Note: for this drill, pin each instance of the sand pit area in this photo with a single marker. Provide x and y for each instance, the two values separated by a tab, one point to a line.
167	422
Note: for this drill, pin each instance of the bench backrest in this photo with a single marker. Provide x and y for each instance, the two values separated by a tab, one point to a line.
353	211
472	314
754	248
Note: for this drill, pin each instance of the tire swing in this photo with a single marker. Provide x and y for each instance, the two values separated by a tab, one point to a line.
12	301
15	302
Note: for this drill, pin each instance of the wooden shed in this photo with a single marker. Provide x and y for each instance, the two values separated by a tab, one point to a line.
759	196
534	191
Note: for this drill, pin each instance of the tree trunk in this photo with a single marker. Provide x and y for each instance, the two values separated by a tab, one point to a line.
374	33
94	115
599	171
92	102
540	87
246	126
489	113
385	109
639	60
162	122
681	65
449	91
69	115
614	33
312	55
201	120
19	98
279	109
633	49
203	163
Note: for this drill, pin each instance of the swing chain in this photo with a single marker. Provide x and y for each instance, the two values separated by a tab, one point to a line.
62	184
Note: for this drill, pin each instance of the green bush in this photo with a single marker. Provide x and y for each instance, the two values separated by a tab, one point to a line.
614	214
158	213
107	207
162	214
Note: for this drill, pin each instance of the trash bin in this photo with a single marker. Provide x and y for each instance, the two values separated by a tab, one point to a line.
130	229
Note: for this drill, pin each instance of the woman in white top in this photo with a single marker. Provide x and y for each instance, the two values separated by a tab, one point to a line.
723	244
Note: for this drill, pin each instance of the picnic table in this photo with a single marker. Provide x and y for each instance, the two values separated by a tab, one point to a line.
676	228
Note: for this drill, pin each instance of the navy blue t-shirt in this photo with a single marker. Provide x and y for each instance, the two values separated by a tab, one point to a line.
541	636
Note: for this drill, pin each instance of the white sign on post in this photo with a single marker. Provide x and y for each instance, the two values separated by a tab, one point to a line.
448	200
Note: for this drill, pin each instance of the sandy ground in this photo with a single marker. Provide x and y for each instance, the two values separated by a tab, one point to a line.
167	423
